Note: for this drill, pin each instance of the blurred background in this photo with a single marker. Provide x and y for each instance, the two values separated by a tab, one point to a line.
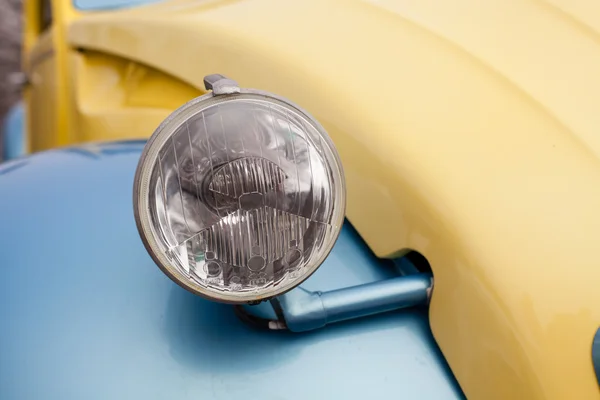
10	55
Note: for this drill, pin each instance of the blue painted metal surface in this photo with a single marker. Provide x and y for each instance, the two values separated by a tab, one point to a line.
87	315
596	354
13	133
304	310
93	5
404	266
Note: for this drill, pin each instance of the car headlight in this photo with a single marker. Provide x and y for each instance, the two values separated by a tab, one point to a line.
239	195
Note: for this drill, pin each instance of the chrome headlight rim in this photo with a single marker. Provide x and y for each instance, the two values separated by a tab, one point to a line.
141	197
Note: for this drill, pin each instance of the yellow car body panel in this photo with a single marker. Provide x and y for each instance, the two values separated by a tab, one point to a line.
45	58
77	96
116	98
41	95
468	131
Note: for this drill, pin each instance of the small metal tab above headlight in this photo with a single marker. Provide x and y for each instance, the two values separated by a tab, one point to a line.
239	195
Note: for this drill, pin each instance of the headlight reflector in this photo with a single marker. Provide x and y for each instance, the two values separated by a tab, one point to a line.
239	197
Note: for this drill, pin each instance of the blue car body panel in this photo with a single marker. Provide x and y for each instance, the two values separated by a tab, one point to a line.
86	314
13	133
596	354
94	5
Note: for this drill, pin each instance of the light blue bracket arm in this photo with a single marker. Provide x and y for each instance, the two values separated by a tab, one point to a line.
304	310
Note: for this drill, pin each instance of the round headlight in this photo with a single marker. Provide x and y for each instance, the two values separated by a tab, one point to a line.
239	196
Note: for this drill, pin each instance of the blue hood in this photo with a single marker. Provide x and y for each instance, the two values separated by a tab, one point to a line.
87	315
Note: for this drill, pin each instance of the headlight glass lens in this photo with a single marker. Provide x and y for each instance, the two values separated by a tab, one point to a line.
239	198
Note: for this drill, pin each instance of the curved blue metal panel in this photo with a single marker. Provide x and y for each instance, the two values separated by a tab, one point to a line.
13	133
93	5
596	354
86	314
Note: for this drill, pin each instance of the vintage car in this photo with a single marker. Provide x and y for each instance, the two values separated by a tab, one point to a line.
352	199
